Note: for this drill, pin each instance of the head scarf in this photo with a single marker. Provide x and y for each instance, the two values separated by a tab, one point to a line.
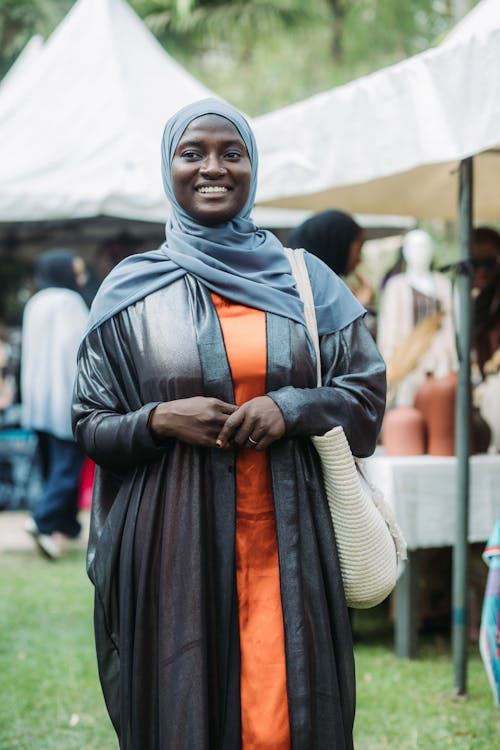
235	259
329	236
54	268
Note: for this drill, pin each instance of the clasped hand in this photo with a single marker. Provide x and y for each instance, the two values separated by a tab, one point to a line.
210	422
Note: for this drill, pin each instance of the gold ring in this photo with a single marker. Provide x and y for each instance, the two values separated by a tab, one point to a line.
252	441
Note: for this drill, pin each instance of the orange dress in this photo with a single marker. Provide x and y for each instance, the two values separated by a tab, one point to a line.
264	703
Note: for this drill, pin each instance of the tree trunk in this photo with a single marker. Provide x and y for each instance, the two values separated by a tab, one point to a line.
339	9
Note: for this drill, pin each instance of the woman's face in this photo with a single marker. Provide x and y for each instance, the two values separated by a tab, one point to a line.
211	170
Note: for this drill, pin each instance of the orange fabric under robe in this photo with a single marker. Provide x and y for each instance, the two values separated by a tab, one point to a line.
264	704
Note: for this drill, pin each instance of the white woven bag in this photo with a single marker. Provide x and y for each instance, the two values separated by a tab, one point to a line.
369	539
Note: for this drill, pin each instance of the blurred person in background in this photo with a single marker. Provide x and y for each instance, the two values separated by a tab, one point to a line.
337	239
54	321
7	379
486	292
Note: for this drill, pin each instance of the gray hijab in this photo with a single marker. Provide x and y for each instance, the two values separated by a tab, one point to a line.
236	259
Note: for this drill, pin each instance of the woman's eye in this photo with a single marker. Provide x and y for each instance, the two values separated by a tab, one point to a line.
232	155
190	155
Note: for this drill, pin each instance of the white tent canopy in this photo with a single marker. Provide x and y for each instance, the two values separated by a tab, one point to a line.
81	118
484	17
391	142
84	138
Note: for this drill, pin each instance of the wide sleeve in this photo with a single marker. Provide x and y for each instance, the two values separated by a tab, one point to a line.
352	395
109	420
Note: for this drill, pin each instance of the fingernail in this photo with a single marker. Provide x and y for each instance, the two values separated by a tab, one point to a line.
218	443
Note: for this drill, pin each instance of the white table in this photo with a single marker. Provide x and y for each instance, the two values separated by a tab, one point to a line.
423	492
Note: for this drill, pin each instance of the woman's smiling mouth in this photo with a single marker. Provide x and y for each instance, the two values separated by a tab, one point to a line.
212	189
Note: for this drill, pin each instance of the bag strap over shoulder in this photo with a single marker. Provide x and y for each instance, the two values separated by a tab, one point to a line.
299	270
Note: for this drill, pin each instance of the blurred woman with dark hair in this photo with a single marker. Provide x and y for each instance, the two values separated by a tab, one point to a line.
54	321
486	284
337	239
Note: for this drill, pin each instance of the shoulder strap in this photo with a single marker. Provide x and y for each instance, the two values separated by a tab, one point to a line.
299	270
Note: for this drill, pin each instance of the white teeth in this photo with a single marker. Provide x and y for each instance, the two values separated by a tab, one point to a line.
212	189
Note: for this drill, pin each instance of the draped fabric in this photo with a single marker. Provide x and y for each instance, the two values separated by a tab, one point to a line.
145	273
424	306
264	702
162	537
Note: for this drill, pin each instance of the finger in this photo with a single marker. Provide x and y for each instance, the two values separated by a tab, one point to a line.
228	408
247	428
264	442
266	437
231	425
220	413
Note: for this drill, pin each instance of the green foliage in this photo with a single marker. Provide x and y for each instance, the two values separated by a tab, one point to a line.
17	21
262	55
20	19
235	25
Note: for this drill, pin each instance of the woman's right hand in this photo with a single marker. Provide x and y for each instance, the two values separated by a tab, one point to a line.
197	420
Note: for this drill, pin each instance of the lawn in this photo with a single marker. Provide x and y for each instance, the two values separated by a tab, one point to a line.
51	699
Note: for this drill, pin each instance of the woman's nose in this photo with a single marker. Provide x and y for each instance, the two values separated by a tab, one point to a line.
212	166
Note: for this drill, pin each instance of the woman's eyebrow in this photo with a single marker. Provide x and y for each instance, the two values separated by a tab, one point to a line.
198	141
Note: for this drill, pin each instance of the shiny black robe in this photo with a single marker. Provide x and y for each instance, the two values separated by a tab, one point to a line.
161	546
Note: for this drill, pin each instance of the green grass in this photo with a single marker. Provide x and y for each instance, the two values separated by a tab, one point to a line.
408	705
51	699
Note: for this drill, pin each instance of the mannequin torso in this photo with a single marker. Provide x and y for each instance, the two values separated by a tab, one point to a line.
408	299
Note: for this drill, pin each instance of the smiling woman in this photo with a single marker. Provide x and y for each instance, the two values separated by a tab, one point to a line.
220	616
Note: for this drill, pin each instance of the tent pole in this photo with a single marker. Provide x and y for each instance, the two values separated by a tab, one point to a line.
462	445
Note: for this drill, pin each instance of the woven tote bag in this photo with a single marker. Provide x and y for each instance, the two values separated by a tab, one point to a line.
369	540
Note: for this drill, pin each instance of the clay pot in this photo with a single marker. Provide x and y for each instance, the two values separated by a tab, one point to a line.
436	400
441	416
403	432
422	403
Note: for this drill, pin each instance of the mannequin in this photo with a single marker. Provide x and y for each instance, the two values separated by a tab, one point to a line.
408	299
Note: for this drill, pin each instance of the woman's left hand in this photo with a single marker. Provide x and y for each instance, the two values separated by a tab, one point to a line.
256	424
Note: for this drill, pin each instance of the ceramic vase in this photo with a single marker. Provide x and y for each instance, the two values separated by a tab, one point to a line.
441	416
403	432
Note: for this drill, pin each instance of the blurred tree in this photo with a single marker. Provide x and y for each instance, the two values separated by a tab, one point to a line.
338	10
20	19
406	27
234	23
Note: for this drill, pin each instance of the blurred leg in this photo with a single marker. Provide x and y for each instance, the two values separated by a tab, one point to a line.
58	506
